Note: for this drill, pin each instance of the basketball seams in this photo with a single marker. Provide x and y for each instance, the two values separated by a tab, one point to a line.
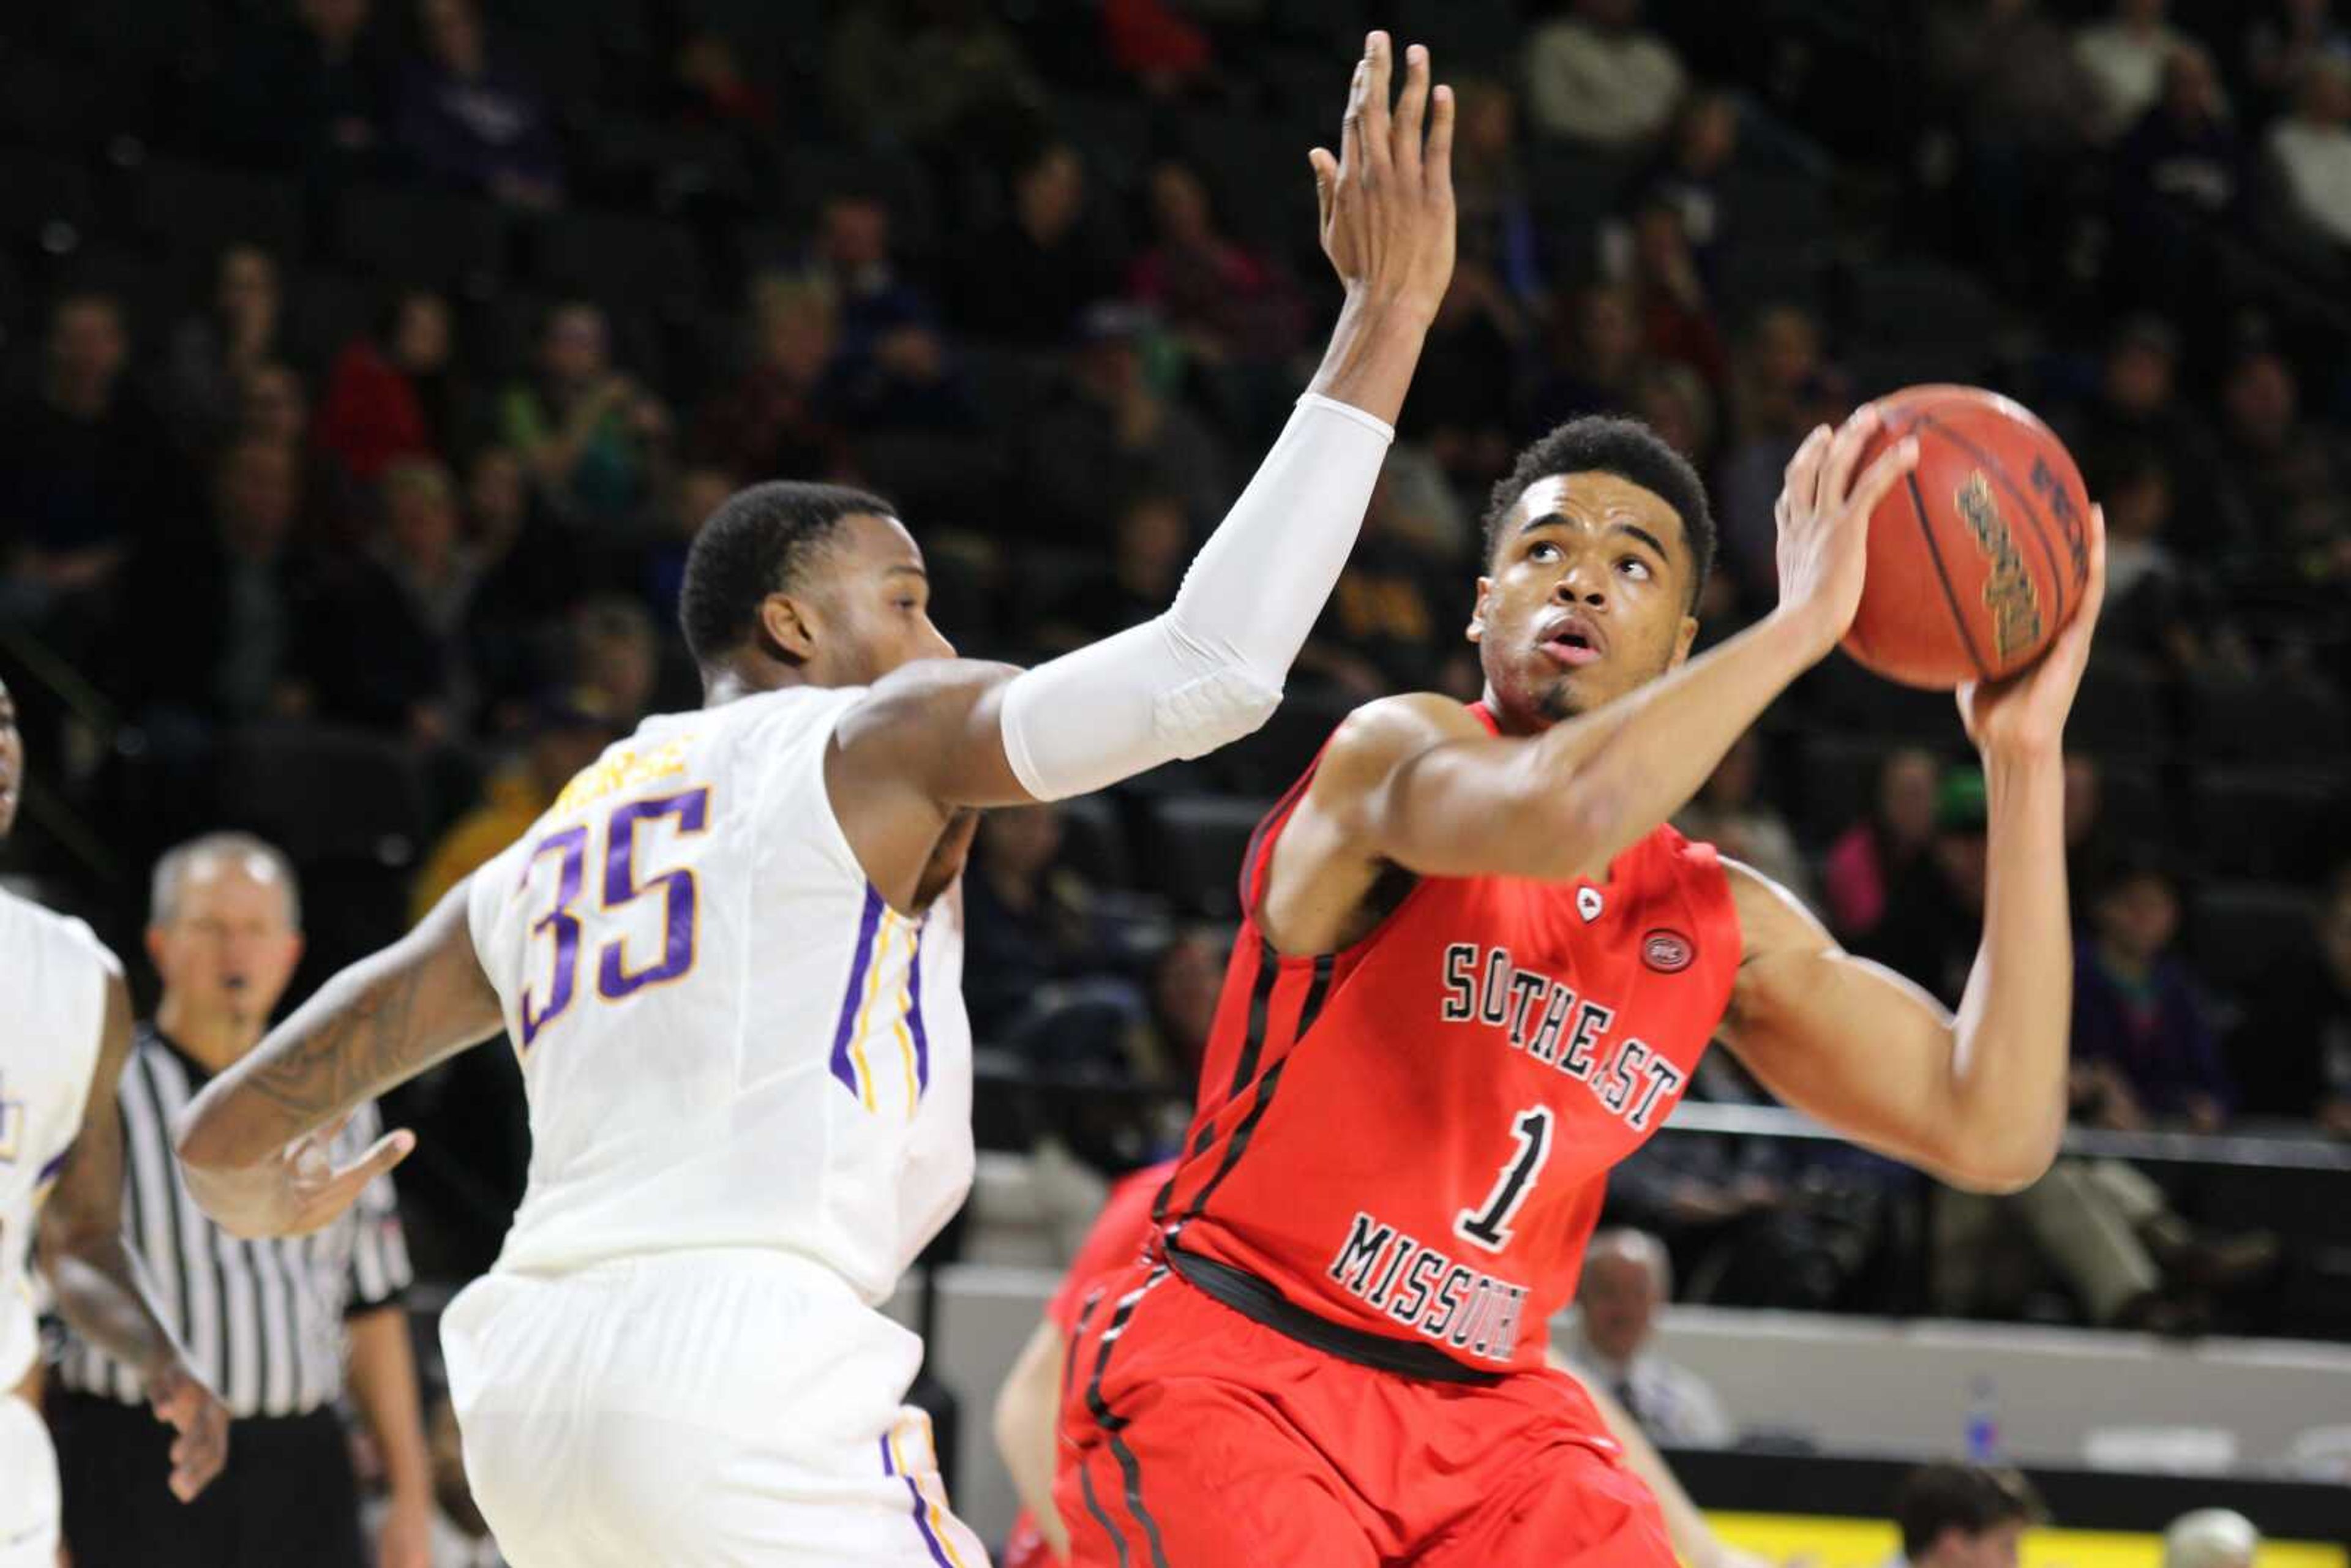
2032	513
1935	555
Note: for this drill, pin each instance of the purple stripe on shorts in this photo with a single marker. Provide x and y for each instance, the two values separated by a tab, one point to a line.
923	1525
887	1467
867	925
915	1016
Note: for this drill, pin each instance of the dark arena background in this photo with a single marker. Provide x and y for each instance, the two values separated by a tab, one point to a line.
366	367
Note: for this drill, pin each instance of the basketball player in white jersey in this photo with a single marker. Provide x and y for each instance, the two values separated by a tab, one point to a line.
729	957
67	1035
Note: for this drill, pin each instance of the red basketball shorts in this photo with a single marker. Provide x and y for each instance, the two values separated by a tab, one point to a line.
1193	1437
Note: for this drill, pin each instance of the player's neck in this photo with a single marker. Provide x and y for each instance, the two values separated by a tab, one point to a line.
216	1043
730	683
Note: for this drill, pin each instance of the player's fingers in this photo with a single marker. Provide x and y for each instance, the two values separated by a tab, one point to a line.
1351	129
1377	85
1885	471
1411	113
1326	180
382	1155
1802	479
1844	455
1436	160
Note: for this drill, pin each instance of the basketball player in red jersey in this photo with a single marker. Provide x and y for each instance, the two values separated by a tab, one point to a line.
1476	969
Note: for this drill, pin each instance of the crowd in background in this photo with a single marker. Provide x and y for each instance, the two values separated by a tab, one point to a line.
368	373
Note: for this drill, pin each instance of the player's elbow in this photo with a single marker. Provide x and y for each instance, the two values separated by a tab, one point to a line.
1998	1166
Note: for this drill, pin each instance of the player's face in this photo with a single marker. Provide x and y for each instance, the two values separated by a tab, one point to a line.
872	606
12	762
230	947
1588	598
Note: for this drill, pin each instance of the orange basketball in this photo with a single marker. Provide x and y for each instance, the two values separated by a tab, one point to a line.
1979	555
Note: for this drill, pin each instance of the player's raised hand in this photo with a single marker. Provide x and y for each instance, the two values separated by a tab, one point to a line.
1823	517
302	1189
2025	713
181	1399
1388	198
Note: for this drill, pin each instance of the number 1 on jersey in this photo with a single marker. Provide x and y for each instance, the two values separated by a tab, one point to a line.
1489	1225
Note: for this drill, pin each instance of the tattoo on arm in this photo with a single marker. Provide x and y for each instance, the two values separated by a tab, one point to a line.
319	1067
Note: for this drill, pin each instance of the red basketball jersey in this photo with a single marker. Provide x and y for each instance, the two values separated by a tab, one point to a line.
1412	1137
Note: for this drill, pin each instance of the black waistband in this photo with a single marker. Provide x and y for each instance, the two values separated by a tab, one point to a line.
1259	1303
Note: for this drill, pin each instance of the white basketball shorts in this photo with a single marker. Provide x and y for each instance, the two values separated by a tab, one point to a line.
696	1410
28	1495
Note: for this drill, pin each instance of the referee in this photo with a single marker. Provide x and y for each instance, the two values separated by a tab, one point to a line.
274	1325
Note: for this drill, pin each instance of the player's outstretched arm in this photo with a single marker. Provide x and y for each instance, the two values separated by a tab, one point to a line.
1025	1410
100	1287
1417	783
253	1145
1210	669
1978	1100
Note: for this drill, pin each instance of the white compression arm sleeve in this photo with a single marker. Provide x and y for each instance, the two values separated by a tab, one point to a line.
1209	669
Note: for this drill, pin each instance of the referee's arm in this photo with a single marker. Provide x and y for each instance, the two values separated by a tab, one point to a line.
383	1375
101	1288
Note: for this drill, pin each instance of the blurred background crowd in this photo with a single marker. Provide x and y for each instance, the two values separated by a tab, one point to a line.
367	365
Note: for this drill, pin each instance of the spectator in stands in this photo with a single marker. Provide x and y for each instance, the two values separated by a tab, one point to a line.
616	654
1156	44
2311	148
778	419
928	72
2273	462
311	93
1393	613
567	729
273	409
1671	399
2089	841
892	368
1781	387
1186	978
1729	813
2183	154
226	606
472	120
389	394
2124	58
1497	229
1596	75
1223	301
699	490
2211	1538
83	461
1965	1516
711	88
1678	322
1705	1196
1595	357
594	440
212	352
2025	110
1024	279
2280	46
2160	612
1109	432
384	640
2145	1049
2292	1055
1464	395
1627	1280
1934	911
529	574
1882	852
1029	918
1149	545
1687	175
2139	408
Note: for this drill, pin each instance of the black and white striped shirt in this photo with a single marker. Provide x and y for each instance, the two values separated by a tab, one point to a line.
262	1321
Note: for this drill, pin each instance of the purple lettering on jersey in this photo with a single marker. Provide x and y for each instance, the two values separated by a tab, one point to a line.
868	922
562	925
614	980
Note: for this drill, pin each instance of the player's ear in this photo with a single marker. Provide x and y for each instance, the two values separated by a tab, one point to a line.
155	947
1478	613
786	630
1682	640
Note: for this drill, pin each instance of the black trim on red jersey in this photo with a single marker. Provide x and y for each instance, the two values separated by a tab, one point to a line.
1261	1304
1269	970
1113	1424
1237	1147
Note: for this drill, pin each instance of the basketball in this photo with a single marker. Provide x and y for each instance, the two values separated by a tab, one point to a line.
1978	557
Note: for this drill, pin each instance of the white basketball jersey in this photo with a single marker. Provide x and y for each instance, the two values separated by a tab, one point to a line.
726	1037
54	974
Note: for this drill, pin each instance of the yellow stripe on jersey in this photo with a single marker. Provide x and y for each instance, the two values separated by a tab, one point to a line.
865	1010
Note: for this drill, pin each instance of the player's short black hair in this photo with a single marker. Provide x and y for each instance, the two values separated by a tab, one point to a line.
756	544
1973	1499
1603	444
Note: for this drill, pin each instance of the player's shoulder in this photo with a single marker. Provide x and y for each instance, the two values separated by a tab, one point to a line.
1771	918
34	928
1388	731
